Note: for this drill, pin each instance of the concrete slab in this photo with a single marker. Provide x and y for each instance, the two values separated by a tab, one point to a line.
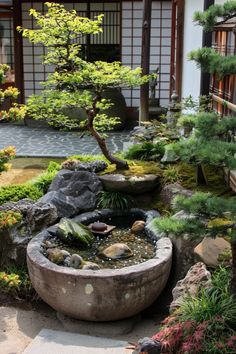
104	329
58	342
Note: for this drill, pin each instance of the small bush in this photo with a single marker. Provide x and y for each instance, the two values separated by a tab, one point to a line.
43	181
204	323
114	200
14	193
9	219
6	154
146	151
16	282
171	174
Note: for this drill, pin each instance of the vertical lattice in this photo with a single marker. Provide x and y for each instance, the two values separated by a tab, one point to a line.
132	12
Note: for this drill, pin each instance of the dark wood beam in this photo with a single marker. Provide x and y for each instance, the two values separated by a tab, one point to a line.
18	49
206	42
179	46
145	58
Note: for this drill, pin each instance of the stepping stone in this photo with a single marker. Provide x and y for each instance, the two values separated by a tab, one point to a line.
50	342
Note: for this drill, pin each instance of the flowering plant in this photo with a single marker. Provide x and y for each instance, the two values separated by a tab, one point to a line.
6	154
9	219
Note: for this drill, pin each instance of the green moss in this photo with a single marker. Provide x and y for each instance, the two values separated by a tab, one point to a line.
88	158
14	193
137	168
215	176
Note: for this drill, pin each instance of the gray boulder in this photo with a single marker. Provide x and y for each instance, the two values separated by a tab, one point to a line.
72	192
65	205
41	215
170	191
13	246
76	165
22	206
196	278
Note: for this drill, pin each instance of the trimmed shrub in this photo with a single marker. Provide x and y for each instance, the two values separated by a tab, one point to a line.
14	193
146	151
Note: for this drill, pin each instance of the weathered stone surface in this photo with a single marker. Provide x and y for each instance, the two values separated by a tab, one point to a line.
209	250
90	266
72	192
76	165
197	277
130	185
41	215
138	226
102	295
74	233
13	246
73	183
76	261
116	251
169	156
56	255
22	206
170	191
65	205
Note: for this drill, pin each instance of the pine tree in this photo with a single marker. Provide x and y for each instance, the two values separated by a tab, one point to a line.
212	140
212	216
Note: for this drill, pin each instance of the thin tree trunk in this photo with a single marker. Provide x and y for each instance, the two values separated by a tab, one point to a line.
201	178
233	280
120	164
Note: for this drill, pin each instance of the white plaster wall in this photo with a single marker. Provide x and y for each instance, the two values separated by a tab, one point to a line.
220	2
192	40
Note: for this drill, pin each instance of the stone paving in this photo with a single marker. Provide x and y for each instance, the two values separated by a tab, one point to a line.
37	142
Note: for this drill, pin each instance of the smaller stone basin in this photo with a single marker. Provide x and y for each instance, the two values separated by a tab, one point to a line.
105	294
131	185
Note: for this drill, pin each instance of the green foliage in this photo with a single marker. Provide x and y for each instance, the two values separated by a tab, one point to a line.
16	112
215	14
13	193
146	151
207	58
212	62
204	323
211	302
209	143
114	200
9	219
178	227
205	204
43	181
76	83
6	155
171	174
16	282
88	158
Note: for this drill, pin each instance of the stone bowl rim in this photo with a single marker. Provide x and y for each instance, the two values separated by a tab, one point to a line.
35	255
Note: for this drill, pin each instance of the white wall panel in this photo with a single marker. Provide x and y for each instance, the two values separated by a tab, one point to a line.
160	44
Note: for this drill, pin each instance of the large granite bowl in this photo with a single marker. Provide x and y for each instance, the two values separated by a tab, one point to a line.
102	295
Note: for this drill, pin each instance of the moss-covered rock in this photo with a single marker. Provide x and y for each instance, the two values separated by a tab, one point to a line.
74	233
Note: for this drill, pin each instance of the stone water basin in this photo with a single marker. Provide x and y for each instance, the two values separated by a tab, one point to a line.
105	294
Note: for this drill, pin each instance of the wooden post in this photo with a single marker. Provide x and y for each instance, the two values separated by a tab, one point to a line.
145	59
179	46
18	49
206	42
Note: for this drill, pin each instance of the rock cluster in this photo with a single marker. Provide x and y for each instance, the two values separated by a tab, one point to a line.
197	277
64	258
72	192
76	165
